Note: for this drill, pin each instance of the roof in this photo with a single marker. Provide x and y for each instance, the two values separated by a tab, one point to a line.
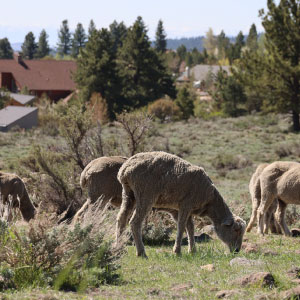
23	99
199	72
10	114
42	75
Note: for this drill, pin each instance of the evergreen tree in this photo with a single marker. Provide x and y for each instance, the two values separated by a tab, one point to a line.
96	70
29	46
282	42
185	101
144	76
6	51
252	39
235	50
118	33
43	46
64	39
92	28
222	45
181	51
78	40
160	38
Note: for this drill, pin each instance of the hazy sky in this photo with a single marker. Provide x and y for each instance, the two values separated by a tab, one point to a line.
181	18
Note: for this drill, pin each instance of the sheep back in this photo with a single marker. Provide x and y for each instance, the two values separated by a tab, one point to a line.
173	181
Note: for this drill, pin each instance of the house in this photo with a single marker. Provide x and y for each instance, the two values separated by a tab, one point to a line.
18	99
50	77
24	117
200	73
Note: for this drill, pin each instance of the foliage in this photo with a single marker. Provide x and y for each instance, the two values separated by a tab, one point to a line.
181	51
92	28
252	39
118	33
222	45
185	101
64	39
99	108
96	70
164	109
160	38
143	74
43	48
6	51
29	47
228	94
135	125
78	40
4	97
282	28
59	257
210	42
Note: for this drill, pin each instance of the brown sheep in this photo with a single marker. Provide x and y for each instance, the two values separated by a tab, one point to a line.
165	181
11	184
100	179
254	189
279	180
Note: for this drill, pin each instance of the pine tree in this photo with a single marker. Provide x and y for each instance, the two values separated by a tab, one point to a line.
78	40
118	33
282	42
96	70
92	28
64	37
252	39
43	46
222	45
6	51
144	76
185	101
181	51
29	46
160	38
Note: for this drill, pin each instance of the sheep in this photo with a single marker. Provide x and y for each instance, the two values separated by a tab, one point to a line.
279	180
254	189
163	180
100	178
11	184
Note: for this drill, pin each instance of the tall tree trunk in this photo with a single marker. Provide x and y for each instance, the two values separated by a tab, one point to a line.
296	123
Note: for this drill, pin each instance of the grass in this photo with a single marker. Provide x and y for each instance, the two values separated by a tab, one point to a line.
254	139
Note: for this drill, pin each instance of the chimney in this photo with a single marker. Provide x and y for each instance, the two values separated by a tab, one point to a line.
187	71
18	58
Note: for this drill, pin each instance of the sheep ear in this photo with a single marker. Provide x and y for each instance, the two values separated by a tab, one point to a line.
227	222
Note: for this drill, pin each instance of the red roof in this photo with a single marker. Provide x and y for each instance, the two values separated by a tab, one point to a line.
41	74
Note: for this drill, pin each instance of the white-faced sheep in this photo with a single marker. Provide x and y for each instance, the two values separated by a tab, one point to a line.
163	180
279	180
11	184
254	189
100	179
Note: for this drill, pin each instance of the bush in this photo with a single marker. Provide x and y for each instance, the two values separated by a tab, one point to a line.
164	110
185	101
230	162
69	259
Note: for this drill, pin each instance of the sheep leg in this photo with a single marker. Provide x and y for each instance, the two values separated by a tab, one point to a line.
267	222
125	212
141	211
81	211
255	204
189	230
280	218
183	216
266	201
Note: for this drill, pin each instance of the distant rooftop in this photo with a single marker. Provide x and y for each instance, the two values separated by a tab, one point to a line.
10	114
23	99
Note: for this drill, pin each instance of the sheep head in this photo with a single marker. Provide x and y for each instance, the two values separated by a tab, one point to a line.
231	232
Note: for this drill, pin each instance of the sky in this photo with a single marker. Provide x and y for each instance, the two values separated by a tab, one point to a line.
181	18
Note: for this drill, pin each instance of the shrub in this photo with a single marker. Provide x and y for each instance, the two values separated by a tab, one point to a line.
230	162
164	110
99	108
185	101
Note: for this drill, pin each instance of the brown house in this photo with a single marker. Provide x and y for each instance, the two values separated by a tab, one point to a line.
51	77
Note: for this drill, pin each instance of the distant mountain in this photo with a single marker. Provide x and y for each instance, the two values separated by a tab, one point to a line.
189	43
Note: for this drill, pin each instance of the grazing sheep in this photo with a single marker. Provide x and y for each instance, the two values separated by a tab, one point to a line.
254	189
11	184
165	181
279	180
100	178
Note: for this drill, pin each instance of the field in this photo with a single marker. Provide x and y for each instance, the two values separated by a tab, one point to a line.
229	150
